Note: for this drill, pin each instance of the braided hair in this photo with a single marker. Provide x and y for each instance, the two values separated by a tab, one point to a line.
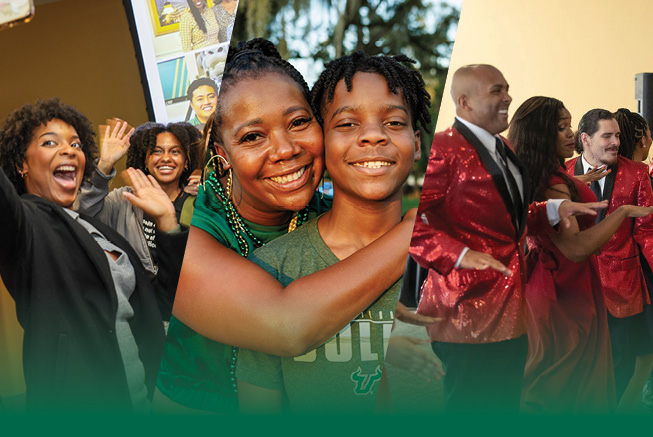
17	131
249	60
534	134
197	15
144	140
397	75
633	128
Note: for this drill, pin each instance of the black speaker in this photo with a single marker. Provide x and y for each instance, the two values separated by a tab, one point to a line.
644	95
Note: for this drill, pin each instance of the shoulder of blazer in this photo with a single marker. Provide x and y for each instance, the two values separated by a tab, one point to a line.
632	166
569	165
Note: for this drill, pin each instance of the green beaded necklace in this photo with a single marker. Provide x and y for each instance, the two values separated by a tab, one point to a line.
240	230
236	223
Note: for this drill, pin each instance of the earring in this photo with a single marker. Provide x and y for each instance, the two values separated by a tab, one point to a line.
222	162
22	173
220	168
230	180
206	167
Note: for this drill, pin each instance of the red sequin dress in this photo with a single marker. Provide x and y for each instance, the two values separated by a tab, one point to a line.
569	366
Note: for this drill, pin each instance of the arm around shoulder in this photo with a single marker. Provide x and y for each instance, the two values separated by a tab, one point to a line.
229	299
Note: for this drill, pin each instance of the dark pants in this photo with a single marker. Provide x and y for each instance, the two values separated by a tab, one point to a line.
624	351
483	377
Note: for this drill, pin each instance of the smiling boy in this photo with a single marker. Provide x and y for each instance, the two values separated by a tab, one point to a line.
369	108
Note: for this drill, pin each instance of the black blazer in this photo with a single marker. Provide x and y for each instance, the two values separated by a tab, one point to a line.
66	302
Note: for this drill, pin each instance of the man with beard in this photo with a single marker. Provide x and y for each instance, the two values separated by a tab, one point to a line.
617	263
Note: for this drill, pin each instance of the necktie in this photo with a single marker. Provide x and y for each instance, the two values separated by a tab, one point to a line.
596	187
512	184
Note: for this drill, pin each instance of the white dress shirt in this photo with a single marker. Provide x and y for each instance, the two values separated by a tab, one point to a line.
489	142
587	166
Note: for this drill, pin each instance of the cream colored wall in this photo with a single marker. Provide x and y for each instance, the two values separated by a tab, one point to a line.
80	51
583	52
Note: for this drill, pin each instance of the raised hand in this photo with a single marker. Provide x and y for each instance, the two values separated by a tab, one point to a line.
569	209
482	261
148	196
597	172
114	143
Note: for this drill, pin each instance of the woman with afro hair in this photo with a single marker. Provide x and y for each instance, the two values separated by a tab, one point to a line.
167	153
92	315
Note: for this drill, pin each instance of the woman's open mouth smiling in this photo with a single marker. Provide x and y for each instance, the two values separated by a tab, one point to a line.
166	169
66	176
293	180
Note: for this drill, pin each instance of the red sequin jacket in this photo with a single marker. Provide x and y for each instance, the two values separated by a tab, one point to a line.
618	262
465	202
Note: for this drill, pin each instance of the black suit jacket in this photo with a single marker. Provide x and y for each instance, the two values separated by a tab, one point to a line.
66	302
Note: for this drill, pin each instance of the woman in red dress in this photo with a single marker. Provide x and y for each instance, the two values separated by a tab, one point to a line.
569	366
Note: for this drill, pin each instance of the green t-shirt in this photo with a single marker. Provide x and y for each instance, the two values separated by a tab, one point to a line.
195	371
344	373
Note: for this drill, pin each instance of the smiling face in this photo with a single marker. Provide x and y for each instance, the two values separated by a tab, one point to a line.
54	162
167	161
603	146
204	102
274	145
487	100
370	144
565	143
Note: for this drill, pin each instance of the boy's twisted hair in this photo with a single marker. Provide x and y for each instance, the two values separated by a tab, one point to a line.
397	75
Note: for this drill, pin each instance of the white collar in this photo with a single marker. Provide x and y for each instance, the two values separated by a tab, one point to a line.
485	137
586	165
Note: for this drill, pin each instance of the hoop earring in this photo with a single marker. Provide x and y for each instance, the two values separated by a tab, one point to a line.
206	167
223	164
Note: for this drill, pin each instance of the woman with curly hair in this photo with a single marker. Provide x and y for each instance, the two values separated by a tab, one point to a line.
92	315
198	26
169	154
569	365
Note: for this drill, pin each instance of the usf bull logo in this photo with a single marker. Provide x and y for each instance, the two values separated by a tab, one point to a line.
365	381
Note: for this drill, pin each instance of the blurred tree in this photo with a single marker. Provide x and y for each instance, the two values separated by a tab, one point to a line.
326	29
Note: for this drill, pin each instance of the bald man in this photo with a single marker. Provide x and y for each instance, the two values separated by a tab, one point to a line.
471	238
